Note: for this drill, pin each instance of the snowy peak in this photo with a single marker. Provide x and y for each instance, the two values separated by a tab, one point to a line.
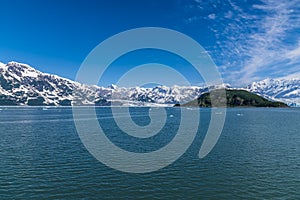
158	95
21	84
113	87
22	70
286	90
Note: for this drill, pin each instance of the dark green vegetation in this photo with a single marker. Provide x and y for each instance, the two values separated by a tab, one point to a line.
235	98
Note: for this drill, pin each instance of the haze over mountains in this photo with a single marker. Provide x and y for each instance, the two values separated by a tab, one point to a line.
20	84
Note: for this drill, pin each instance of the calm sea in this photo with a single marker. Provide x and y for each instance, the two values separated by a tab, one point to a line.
256	157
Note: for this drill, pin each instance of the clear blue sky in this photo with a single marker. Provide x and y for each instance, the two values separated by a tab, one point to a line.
248	40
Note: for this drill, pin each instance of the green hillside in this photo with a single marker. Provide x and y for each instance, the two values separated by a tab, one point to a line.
235	98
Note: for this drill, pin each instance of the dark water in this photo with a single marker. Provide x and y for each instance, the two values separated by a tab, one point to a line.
256	157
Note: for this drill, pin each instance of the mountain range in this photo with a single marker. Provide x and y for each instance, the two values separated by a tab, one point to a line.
21	84
284	90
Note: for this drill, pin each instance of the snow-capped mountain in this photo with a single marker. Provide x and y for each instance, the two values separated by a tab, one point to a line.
21	84
284	90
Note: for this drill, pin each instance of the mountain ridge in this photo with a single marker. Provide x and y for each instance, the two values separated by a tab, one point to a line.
21	84
280	89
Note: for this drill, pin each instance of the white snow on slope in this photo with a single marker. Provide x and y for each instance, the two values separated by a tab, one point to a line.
285	90
22	82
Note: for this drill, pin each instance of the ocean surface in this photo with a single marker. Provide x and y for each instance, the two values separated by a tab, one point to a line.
256	157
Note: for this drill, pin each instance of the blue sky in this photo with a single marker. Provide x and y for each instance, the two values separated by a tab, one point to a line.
248	40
